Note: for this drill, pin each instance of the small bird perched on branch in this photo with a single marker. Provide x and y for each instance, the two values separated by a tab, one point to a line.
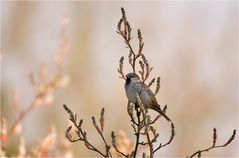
134	87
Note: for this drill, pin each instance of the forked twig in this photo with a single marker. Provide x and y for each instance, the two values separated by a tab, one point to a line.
199	152
82	136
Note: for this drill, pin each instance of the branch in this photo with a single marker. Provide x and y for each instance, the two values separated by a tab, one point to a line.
82	136
170	139
44	85
199	152
157	86
44	94
150	146
100	131
120	69
151	82
125	32
137	134
115	146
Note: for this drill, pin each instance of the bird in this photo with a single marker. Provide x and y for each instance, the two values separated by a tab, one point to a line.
134	86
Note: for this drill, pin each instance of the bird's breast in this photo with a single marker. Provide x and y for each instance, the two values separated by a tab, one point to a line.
132	89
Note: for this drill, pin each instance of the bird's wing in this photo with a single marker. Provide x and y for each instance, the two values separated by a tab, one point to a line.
154	101
148	95
146	88
151	101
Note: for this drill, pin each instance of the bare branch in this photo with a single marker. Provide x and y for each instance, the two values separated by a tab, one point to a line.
120	69
199	152
82	135
151	82
114	143
157	86
170	139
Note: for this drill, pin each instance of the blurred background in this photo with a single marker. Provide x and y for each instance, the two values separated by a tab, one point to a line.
192	46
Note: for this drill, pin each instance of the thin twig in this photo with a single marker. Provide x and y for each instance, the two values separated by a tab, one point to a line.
150	146
169	141
126	34
20	118
138	132
82	135
199	152
115	146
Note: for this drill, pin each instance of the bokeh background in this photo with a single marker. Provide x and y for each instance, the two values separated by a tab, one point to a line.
193	47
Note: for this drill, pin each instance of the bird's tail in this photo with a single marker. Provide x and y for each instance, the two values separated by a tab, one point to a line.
158	109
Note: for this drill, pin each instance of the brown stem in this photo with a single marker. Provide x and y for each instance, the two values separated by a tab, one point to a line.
199	152
169	141
82	135
138	132
93	148
150	146
135	57
120	152
21	117
107	147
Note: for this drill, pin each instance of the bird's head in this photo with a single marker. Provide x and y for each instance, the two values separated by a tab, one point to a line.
132	77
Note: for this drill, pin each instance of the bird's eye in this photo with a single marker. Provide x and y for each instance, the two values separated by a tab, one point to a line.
127	80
